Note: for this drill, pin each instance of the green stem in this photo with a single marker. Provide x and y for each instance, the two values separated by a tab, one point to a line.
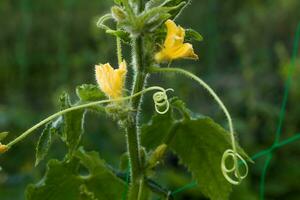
149	183
82	106
139	68
119	50
132	129
141	189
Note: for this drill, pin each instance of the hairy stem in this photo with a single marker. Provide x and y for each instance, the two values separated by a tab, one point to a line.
119	50
133	128
150	184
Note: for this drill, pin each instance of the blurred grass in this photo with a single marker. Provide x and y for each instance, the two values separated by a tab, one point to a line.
47	47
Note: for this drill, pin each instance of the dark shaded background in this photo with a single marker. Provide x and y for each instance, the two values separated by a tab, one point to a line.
51	46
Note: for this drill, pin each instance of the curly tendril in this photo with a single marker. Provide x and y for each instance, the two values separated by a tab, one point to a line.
229	153
161	101
237	161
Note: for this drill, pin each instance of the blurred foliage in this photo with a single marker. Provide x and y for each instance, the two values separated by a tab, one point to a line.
47	47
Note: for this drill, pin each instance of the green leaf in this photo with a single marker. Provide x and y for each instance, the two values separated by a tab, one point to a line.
89	92
159	3
156	21
102	182
63	180
193	35
155	131
199	142
72	126
176	13
43	144
154	13
176	2
3	135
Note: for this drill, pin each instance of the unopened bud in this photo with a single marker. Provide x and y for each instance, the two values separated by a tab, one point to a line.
157	155
160	151
3	148
118	13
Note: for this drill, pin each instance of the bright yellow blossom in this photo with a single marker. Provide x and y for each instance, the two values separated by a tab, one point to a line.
174	46
111	81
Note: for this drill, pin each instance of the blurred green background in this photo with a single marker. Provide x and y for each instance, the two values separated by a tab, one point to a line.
51	46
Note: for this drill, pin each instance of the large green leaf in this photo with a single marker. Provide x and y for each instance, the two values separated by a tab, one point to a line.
199	142
102	182
64	182
155	131
60	183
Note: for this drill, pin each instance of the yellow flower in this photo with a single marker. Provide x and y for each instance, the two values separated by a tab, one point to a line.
174	46
111	81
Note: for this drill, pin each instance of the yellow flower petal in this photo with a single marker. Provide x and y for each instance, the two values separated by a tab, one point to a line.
185	51
111	81
161	56
174	46
175	35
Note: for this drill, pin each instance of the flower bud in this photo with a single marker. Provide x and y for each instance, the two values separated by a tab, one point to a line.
118	13
157	155
3	148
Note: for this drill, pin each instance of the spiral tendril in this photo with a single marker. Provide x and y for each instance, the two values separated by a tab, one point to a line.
161	101
236	158
235	169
